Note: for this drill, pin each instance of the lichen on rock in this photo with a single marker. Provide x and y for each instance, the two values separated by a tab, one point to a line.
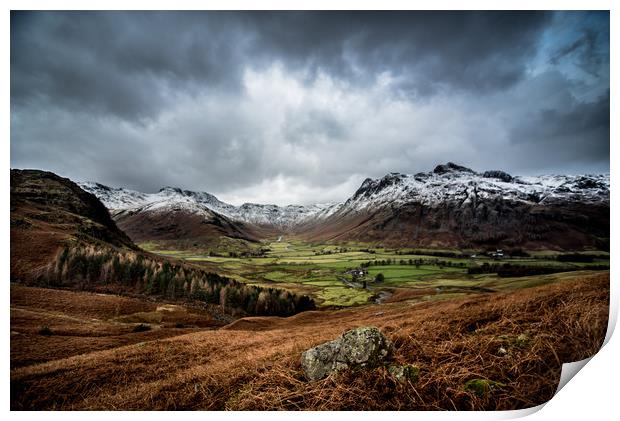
404	373
364	347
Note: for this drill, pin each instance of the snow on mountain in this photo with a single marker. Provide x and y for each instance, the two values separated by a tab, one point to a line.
171	198
114	198
282	215
447	183
451	183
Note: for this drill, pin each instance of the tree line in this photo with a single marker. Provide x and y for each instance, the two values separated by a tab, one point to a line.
86	266
413	262
507	270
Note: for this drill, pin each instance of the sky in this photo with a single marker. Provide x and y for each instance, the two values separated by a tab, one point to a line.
301	107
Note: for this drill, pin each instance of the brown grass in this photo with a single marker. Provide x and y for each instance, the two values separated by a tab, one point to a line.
403	294
85	322
90	305
254	362
33	248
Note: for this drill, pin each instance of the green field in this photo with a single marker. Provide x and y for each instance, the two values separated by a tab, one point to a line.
320	270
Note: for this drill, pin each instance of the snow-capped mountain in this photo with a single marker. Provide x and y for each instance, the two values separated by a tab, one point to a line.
452	183
449	206
448	183
173	198
454	206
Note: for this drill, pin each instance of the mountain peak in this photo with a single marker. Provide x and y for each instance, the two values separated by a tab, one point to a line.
169	189
501	175
370	186
452	167
366	183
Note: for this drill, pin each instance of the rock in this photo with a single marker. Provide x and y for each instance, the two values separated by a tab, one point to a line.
586	182
364	346
370	186
404	373
500	175
451	167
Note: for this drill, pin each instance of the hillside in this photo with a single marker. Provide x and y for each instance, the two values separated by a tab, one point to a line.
518	340
49	212
182	228
180	219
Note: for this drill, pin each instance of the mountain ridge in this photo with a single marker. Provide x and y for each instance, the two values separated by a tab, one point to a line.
452	206
447	182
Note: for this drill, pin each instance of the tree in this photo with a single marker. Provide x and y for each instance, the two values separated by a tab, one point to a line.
379	278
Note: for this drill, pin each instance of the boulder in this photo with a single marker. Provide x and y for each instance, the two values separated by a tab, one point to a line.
361	347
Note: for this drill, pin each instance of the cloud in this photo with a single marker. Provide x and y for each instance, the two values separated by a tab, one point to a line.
300	107
578	132
131	64
589	57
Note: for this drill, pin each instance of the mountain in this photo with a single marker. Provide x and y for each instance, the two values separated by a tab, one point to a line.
454	206
181	218
451	206
49	212
201	203
185	219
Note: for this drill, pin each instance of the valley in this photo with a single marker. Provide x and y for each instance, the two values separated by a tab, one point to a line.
346	274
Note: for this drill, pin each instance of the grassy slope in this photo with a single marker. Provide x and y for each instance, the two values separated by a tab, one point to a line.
254	362
49	212
86	322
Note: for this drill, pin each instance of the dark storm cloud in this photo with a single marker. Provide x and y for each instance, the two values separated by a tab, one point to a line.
302	106
468	50
579	132
124	63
